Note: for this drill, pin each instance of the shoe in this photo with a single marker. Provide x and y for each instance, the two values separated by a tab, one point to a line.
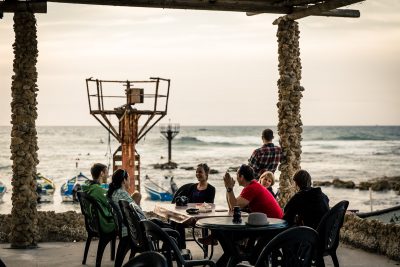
208	241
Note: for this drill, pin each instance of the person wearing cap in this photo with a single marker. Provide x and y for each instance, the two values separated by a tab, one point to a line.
267	157
308	205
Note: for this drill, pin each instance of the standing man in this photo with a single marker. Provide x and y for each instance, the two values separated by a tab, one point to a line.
267	157
253	195
100	173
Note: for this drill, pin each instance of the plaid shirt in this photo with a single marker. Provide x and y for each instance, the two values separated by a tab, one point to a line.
265	158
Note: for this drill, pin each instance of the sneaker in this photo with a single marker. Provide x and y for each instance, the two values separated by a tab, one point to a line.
208	241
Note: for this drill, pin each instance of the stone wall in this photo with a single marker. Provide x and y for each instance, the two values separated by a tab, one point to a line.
65	227
372	235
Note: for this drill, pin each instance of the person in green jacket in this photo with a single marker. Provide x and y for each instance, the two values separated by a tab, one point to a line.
100	173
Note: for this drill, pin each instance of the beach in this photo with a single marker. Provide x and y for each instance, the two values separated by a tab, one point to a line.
355	153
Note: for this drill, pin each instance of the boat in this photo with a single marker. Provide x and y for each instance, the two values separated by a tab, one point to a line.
158	192
389	215
68	189
45	188
3	189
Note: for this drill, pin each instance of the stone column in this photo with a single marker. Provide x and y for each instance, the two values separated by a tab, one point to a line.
290	93
23	136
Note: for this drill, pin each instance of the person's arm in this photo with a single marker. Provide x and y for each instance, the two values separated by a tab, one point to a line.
210	195
230	195
290	211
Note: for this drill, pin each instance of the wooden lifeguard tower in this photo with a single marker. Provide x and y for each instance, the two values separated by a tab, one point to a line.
123	103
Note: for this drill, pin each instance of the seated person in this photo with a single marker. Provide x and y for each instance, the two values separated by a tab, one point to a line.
267	179
99	172
198	193
308	205
202	191
253	195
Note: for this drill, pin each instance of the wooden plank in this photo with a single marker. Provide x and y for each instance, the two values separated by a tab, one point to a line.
23	6
318	9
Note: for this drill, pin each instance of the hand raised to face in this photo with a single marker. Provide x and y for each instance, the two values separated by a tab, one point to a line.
228	181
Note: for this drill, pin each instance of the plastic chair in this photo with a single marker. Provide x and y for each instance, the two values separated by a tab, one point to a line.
295	247
182	191
169	246
92	211
2	263
132	221
328	230
146	259
124	242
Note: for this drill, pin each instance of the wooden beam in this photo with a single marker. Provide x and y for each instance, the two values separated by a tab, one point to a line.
265	6
22	6
345	13
318	9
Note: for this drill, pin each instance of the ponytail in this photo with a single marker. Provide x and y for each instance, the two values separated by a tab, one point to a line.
117	178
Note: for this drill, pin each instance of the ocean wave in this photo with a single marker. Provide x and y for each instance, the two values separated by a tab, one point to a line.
218	140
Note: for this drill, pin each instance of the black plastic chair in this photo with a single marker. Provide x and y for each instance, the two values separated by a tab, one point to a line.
182	191
2	263
92	211
295	247
146	259
170	249
124	241
131	219
328	230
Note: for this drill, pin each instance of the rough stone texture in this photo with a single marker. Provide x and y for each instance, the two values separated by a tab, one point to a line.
343	184
290	94
66	227
23	136
372	235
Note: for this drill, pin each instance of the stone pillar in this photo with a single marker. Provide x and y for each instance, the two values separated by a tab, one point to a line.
290	93
23	136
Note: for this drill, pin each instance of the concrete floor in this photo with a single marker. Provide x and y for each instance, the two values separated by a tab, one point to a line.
71	254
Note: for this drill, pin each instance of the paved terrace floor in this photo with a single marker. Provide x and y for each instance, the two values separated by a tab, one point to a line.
71	254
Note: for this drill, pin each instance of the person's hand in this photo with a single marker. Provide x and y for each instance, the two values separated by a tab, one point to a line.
228	181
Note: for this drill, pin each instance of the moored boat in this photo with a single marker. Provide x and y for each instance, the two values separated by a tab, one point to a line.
68	190
389	215
160	192
45	188
3	190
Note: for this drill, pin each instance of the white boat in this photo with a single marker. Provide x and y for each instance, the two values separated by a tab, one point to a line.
389	215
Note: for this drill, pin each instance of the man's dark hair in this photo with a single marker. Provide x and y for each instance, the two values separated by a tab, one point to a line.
302	179
268	134
247	172
96	169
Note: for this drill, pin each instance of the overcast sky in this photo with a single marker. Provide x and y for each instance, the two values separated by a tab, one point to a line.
222	65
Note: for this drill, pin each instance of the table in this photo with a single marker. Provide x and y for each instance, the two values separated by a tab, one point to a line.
179	215
229	233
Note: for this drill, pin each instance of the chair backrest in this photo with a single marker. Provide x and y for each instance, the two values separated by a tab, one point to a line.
156	234
148	258
295	247
116	212
182	191
329	227
90	210
132	221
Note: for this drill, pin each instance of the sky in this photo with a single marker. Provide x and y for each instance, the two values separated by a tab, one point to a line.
223	66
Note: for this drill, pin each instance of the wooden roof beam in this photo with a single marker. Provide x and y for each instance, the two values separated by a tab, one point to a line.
344	13
21	6
318	9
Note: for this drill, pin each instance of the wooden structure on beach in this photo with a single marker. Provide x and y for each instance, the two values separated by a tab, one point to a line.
24	88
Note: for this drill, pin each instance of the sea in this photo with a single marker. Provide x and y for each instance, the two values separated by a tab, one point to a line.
356	153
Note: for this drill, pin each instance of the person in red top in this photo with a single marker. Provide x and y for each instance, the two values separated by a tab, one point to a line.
253	195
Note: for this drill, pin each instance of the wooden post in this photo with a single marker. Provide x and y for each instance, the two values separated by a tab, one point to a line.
290	93
23	135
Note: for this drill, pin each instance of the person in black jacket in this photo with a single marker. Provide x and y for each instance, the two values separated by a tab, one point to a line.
308	205
202	191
